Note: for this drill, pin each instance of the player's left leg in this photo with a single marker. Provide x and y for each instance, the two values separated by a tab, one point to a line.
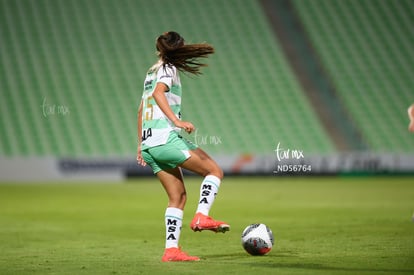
172	181
201	163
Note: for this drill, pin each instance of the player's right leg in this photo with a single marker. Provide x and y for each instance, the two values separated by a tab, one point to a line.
172	181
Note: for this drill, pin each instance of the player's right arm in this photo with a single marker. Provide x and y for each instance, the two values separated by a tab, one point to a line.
162	102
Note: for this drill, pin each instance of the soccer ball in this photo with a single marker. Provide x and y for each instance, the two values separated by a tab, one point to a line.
257	239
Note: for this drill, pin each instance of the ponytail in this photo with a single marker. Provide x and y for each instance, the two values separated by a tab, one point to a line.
172	50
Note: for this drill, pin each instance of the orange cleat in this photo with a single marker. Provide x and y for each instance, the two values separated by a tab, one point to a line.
202	222
175	254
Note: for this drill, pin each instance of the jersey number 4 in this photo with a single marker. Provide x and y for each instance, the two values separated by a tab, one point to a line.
146	134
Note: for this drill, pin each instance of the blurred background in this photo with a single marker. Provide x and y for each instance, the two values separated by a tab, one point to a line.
324	83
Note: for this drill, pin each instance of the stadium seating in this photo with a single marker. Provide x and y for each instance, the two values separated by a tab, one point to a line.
71	74
366	47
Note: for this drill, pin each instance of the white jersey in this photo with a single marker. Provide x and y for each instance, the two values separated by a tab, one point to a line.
156	127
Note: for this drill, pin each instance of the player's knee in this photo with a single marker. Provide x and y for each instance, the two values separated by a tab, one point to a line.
217	171
178	200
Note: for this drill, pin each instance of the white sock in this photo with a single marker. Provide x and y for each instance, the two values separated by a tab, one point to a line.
173	223
208	191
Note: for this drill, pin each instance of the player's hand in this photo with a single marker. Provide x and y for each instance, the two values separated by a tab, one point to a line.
140	160
187	126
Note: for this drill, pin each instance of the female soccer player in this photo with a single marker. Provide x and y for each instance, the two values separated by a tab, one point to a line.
161	146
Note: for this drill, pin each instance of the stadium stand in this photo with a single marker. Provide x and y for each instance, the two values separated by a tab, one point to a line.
366	47
71	74
71	77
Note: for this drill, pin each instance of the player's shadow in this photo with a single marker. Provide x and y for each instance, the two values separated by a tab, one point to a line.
314	267
243	254
270	261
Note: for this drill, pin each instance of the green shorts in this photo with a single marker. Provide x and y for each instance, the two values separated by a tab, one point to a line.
169	155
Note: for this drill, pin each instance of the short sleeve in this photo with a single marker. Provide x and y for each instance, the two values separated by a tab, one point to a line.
165	75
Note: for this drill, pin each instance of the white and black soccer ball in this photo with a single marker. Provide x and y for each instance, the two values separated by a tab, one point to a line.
257	239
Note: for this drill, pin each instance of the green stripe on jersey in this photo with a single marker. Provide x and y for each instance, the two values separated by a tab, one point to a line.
175	89
175	108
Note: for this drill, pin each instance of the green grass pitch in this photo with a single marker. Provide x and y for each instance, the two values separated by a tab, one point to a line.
358	225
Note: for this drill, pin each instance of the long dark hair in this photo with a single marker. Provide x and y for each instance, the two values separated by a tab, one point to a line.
172	50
